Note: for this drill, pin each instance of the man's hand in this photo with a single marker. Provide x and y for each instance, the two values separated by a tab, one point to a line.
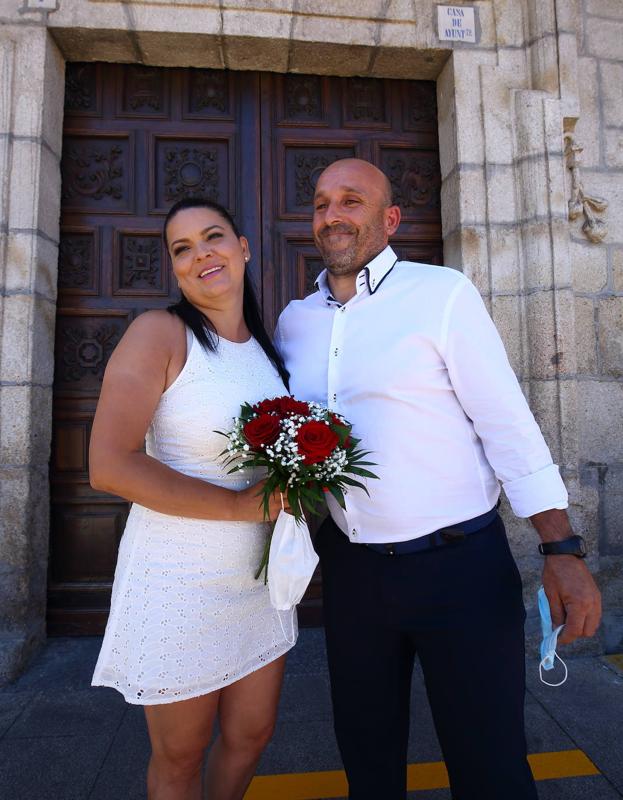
574	599
573	596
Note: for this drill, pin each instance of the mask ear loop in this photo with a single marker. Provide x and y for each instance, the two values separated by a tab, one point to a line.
291	640
547	683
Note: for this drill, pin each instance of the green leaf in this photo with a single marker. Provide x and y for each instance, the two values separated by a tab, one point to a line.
338	494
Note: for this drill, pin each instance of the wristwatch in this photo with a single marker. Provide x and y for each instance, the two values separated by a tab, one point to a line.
573	546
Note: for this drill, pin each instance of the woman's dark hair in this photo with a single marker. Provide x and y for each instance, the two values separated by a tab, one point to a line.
199	324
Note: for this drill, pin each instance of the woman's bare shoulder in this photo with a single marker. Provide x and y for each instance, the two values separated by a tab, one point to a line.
152	334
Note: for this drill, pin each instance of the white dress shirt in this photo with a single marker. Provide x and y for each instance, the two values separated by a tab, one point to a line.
415	363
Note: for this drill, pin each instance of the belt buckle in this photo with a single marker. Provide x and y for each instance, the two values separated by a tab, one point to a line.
452	535
390	549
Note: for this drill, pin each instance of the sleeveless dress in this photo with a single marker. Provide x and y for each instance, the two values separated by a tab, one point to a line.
187	615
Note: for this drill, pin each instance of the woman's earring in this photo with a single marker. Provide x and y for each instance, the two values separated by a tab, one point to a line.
246	258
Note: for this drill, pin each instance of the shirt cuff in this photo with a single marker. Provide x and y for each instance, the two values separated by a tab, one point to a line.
537	492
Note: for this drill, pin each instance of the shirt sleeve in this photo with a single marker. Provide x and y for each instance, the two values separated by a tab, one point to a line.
491	396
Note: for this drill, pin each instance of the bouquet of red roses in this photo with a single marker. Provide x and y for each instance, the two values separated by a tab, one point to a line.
306	450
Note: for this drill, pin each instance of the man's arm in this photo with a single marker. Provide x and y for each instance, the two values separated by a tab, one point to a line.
489	393
572	593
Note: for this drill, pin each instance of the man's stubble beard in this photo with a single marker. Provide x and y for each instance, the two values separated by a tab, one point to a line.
368	241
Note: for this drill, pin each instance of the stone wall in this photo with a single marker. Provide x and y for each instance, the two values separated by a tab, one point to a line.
30	147
598	290
542	69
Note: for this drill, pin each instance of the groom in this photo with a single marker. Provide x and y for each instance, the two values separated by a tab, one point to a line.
408	354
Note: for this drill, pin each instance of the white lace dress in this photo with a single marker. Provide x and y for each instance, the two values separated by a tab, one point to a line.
187	615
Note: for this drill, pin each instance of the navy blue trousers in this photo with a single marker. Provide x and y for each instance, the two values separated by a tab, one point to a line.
460	609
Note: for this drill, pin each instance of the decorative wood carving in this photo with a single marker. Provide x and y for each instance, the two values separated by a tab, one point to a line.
80	87
140	266
83	347
76	261
302	97
415	180
190	172
93	170
307	168
208	91
581	204
365	100
143	89
420	102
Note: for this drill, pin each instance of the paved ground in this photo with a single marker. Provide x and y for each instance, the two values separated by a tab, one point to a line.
62	740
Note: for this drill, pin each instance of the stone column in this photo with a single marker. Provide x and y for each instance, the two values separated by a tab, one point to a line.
31	107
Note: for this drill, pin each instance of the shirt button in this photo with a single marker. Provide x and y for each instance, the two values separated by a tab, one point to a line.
343	309
335	352
335	397
354	531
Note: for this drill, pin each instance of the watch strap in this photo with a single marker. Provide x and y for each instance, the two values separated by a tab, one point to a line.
572	546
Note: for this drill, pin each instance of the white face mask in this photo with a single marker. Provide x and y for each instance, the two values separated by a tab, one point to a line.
550	638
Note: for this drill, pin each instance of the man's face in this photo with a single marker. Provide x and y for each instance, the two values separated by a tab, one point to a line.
350	221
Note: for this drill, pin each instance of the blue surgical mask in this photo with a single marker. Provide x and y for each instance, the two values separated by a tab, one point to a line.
550	638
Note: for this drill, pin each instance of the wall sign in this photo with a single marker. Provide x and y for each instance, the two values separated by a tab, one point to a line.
456	24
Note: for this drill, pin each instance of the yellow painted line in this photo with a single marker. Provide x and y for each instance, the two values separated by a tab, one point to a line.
616	659
563	764
432	775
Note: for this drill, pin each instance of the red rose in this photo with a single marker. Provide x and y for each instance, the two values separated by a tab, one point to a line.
316	441
283	406
268	406
261	430
291	406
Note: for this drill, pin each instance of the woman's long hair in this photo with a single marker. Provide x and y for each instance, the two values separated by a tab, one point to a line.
200	325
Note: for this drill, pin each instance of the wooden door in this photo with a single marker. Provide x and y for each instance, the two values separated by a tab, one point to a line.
138	138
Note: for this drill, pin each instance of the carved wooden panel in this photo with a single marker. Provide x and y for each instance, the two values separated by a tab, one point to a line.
97	173
143	91
191	168
92	530
82	96
71	447
78	261
207	94
419	104
302	98
415	179
84	343
365	102
141	267
302	167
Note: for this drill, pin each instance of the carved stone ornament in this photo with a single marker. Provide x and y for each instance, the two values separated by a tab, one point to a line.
594	228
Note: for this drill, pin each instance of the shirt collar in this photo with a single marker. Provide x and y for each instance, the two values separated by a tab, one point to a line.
370	277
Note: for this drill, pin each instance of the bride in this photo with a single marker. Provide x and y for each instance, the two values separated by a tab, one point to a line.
191	635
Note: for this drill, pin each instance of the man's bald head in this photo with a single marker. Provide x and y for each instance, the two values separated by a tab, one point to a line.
353	215
368	173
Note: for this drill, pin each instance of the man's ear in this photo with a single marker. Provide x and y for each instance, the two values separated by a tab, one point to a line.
392	219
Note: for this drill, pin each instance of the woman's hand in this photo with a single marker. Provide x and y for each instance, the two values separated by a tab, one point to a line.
249	504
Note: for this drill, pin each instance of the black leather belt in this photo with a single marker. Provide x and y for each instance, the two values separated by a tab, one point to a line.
444	536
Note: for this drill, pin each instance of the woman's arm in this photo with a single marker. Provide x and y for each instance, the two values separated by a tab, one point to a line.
145	362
